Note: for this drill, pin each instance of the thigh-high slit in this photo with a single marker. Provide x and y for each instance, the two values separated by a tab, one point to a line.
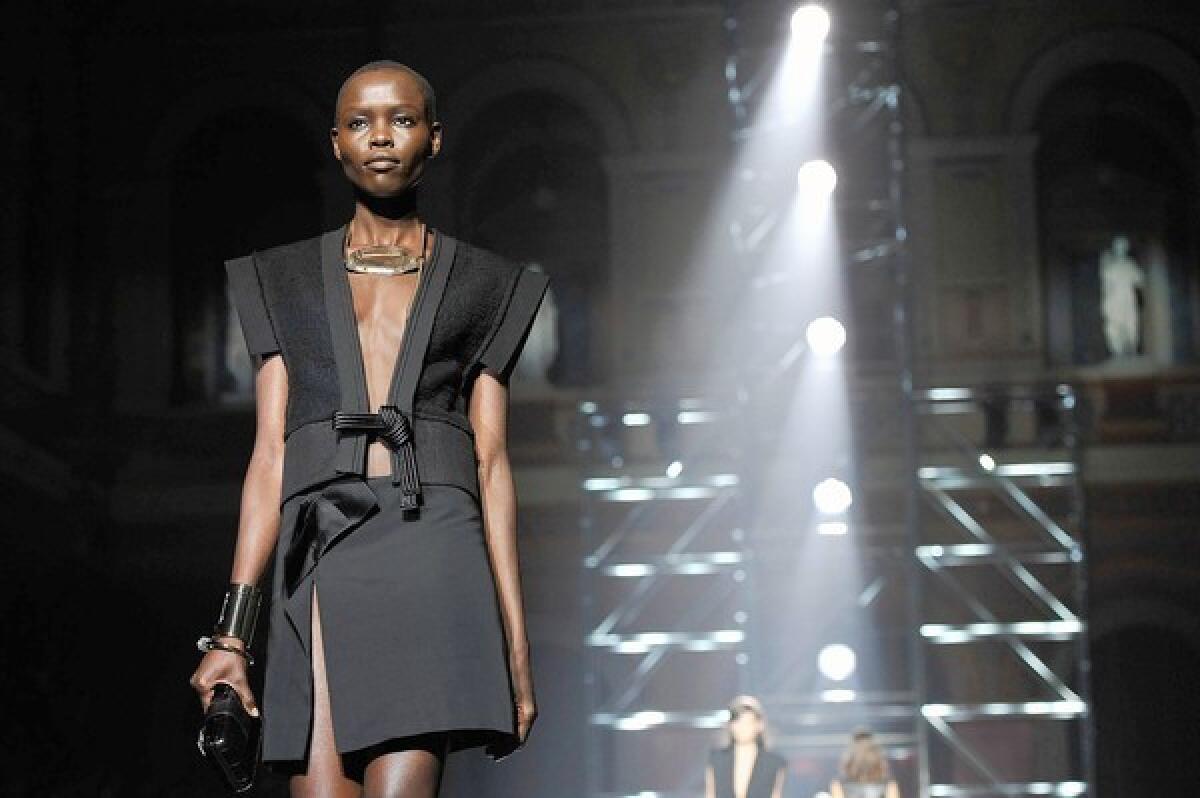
408	767
323	777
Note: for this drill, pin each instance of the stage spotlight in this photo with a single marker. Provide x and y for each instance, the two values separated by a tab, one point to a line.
832	496
826	336
674	469
837	661
837	696
833	528
810	24
987	462
816	179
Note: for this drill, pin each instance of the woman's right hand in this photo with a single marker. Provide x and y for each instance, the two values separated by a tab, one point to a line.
223	666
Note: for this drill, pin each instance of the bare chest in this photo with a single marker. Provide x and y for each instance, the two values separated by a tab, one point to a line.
382	305
743	771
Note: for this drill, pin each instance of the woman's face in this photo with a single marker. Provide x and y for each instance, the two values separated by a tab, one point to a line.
383	137
745	726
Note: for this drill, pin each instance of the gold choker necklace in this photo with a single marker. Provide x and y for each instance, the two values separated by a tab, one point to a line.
383	259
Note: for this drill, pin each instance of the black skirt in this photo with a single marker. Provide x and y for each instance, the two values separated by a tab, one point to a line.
409	617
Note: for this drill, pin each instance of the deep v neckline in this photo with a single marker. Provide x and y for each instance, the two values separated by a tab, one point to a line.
753	772
400	361
347	344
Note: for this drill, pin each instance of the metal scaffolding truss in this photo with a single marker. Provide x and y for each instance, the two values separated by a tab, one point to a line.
669	563
1000	589
665	587
996	701
865	128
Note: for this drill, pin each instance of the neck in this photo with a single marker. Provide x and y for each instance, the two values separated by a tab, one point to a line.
390	221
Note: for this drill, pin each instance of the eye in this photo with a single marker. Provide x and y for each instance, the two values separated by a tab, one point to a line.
405	120
356	123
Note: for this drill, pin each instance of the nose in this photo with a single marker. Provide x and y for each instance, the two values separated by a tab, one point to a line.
381	136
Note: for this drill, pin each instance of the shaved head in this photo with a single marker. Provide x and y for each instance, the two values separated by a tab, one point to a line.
386	65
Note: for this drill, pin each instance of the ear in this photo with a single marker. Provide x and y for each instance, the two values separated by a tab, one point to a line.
435	139
333	140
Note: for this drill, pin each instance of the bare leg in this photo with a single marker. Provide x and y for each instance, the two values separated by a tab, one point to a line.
324	777
407	767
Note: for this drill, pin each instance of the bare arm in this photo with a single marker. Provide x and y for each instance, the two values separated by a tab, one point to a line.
777	790
258	521
892	790
489	419
835	790
710	786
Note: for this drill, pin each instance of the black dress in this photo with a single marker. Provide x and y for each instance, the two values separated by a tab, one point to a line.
762	778
409	616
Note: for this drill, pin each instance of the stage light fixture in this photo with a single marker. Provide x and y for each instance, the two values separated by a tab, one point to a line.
832	496
810	24
837	661
816	179
833	528
837	696
826	336
674	469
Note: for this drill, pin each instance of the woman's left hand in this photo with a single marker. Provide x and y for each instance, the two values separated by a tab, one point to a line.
522	676
526	707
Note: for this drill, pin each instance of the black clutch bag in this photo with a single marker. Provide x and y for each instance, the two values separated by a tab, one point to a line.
231	738
502	747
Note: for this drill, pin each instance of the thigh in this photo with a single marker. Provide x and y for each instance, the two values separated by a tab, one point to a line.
405	767
324	777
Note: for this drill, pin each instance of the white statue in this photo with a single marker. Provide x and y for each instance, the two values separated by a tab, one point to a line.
1120	279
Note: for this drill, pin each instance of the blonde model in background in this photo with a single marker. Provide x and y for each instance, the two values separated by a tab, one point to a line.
744	768
864	771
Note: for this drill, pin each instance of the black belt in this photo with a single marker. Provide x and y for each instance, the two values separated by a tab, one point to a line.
394	429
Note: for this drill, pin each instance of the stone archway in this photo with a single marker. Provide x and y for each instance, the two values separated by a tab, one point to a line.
535	189
210	100
462	104
559	78
228	196
1115	114
1056	63
148	215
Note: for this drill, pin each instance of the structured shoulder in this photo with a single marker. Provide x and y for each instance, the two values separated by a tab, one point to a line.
480	283
487	271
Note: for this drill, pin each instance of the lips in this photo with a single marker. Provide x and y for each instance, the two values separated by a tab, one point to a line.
382	163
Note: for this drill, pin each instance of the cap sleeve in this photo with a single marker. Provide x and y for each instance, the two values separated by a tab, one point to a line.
513	322
247	295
